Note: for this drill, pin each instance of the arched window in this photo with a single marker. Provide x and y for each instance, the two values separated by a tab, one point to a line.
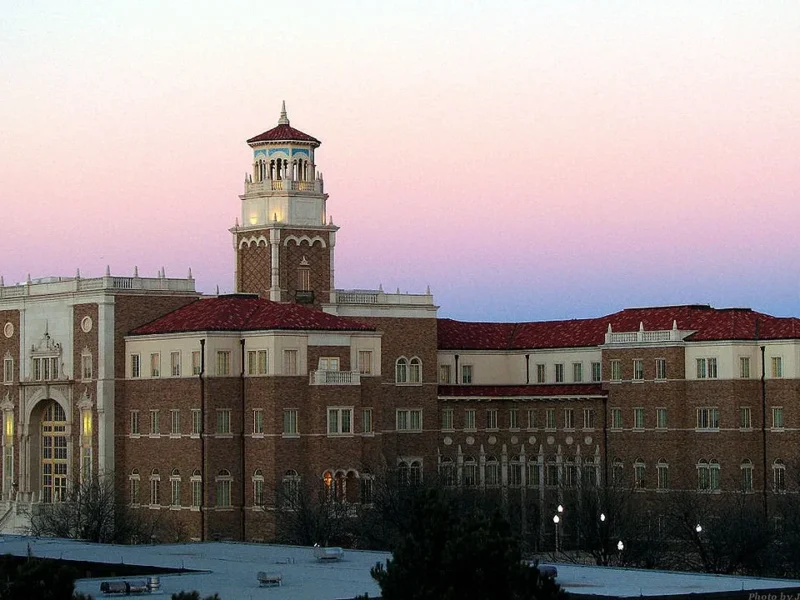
224	481
551	472
401	370
447	472
402	473
713	471
155	488
135	480
367	482
515	471
747	475
638	474
327	483
415	472
54	453
589	472
339	491
470	472
197	489
492	472
708	475
258	488
662	473
617	473
570	473
778	476
415	371
175	488
533	473
291	487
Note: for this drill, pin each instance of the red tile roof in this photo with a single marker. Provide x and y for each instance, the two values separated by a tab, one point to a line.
241	312
709	324
284	133
509	391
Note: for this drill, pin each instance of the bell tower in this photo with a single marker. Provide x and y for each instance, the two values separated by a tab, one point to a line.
284	244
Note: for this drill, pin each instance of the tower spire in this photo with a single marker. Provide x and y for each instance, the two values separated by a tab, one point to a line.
284	120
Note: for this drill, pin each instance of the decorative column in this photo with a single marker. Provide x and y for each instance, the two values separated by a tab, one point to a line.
275	241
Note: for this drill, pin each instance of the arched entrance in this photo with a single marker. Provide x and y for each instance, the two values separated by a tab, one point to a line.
53	452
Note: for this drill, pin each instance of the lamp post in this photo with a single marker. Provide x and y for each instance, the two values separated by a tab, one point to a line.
620	548
698	528
556	520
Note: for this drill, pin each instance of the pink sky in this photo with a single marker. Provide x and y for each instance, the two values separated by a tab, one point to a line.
526	160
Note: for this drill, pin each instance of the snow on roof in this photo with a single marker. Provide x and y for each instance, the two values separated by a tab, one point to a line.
230	570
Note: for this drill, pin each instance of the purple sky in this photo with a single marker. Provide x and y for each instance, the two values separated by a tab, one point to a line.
526	160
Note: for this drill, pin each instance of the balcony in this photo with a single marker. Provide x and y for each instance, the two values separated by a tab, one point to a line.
334	378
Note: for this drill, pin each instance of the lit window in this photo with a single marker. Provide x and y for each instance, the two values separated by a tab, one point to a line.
340	421
409	419
290	422
223	421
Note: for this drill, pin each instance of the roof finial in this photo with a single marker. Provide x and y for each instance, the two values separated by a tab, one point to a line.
284	120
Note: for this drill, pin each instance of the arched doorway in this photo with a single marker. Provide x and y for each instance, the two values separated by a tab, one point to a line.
53	452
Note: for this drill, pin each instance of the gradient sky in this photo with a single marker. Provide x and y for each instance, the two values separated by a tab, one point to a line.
527	160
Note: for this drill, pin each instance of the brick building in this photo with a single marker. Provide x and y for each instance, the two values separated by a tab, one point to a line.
204	407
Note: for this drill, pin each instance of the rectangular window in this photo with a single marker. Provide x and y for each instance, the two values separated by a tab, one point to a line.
491	418
223	362
197	421
258	421
86	367
155	364
638	418
340	421
616	418
708	418
224	493
541	373
533	472
616	370
638	369
777	417
366	421
290	422
444	374
365	362
577	372
197	492
663	476
588	418
569	418
747	477
661	418
290	362
223	421
196	366
706	368
744	367
550	418
175	363
175	485
513	419
256	362
175	421
447	419
328	363
135	366
469	419
8	370
559	373
154	423
597	372
409	419
304	279
777	366
531	418
661	368
745	418
466	374
135	422
638	476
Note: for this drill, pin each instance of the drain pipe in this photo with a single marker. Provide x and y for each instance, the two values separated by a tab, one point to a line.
202	440
764	425
527	369
241	438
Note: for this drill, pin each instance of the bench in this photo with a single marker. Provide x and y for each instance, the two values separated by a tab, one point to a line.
269	579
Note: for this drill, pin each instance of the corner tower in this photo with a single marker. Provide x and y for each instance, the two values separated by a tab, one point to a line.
284	245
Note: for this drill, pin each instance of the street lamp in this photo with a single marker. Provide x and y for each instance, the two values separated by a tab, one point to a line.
620	546
602	516
698	528
556	520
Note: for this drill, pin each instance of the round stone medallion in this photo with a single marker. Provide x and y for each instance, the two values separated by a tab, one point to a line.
532	440
587	440
514	439
86	324
550	440
8	330
470	440
448	440
492	440
569	440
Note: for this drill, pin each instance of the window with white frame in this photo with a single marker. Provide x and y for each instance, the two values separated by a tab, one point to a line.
616	370
469	419
662	474
469	476
533	473
258	488
86	366
708	475
617	472
492	472
8	370
135	480
541	373
778	476
304	279
257	362
570	477
447	419
340	420
135	422
577	372
196	363
175	422
197	488
515	471
513	419
175	488
531	418
366	421
638	418
197	422
258	421
444	374
745	417
777	417
223	362
175	363
466	374
491	419
290	362
290	425
155	428
291	488
776	363
224	481
708	418
550	418
616	418
661	368
597	372
569	418
328	363
223	421
747	475
155	488
551	472
409	419
155	364
706	368
136	366
661	418
415	370
401	370
559	372
588	418
639	474
46	368
744	367
638	369
365	362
